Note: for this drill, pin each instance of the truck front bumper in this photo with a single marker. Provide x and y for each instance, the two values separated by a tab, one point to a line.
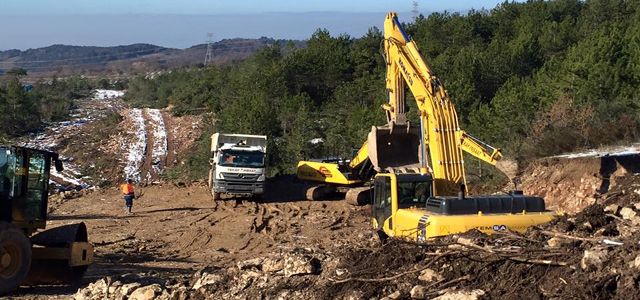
238	187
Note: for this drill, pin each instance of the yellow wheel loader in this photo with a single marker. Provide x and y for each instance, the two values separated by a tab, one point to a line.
58	255
419	185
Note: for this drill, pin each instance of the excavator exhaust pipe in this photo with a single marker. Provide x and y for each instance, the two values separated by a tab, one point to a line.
394	146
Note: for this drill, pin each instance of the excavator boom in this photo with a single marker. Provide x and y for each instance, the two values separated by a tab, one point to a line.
439	136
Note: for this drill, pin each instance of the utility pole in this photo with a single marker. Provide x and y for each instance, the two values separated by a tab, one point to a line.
415	10
208	58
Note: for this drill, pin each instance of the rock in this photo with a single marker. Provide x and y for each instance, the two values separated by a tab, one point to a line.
613	208
392	296
556	242
354	295
635	263
429	275
206	279
115	286
300	265
127	289
272	265
627	213
637	206
164	295
462	295
341	272
95	290
251	263
418	292
148	292
593	258
465	241
179	293
246	279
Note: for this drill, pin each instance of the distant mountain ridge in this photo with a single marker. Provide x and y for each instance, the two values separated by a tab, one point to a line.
67	60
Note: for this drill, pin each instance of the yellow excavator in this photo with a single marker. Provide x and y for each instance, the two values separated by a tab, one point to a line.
58	255
419	185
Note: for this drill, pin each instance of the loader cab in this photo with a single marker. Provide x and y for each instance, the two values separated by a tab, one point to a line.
398	191
24	179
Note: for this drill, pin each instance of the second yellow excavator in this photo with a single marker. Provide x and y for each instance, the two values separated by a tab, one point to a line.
419	185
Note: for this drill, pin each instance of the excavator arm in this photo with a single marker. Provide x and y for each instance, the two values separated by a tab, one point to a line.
435	146
442	141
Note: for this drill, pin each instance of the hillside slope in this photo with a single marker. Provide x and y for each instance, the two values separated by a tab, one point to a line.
88	60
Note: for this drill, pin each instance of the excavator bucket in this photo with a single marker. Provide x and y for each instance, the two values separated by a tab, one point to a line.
394	147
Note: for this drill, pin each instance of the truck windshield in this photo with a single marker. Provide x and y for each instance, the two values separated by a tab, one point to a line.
413	193
242	159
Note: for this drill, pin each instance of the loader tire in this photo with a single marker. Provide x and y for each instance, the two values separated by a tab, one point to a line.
15	257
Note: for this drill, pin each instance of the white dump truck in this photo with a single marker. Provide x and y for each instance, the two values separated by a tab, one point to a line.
238	165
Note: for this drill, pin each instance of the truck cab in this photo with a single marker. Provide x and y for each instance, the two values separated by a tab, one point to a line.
238	165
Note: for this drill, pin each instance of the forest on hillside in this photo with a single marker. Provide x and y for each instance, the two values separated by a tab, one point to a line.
535	79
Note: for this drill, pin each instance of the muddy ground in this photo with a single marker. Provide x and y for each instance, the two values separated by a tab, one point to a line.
179	244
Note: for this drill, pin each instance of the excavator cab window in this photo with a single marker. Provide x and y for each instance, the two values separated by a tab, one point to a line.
413	193
382	200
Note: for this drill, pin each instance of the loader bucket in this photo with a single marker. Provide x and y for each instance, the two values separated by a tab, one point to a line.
394	147
61	255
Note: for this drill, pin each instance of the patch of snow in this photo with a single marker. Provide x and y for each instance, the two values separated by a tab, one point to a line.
100	94
159	151
137	148
618	151
317	141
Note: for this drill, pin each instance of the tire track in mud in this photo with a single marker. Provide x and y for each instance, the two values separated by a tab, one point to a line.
147	151
136	148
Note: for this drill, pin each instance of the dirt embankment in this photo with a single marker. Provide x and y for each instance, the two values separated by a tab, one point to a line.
572	184
179	244
111	142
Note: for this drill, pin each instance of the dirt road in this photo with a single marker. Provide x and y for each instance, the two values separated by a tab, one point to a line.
178	230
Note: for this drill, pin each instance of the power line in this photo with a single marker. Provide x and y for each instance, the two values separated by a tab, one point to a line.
415	10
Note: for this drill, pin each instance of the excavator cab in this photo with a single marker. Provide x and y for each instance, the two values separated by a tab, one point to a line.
58	255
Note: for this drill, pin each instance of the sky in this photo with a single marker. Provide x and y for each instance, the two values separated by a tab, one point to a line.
183	23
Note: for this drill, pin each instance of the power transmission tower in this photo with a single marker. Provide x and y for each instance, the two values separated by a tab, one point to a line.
208	58
415	10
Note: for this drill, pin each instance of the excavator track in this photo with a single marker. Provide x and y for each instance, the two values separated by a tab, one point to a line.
320	192
359	196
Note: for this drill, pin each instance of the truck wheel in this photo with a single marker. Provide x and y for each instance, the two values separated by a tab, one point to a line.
216	196
15	257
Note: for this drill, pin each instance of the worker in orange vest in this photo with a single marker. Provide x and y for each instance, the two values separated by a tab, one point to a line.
127	192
